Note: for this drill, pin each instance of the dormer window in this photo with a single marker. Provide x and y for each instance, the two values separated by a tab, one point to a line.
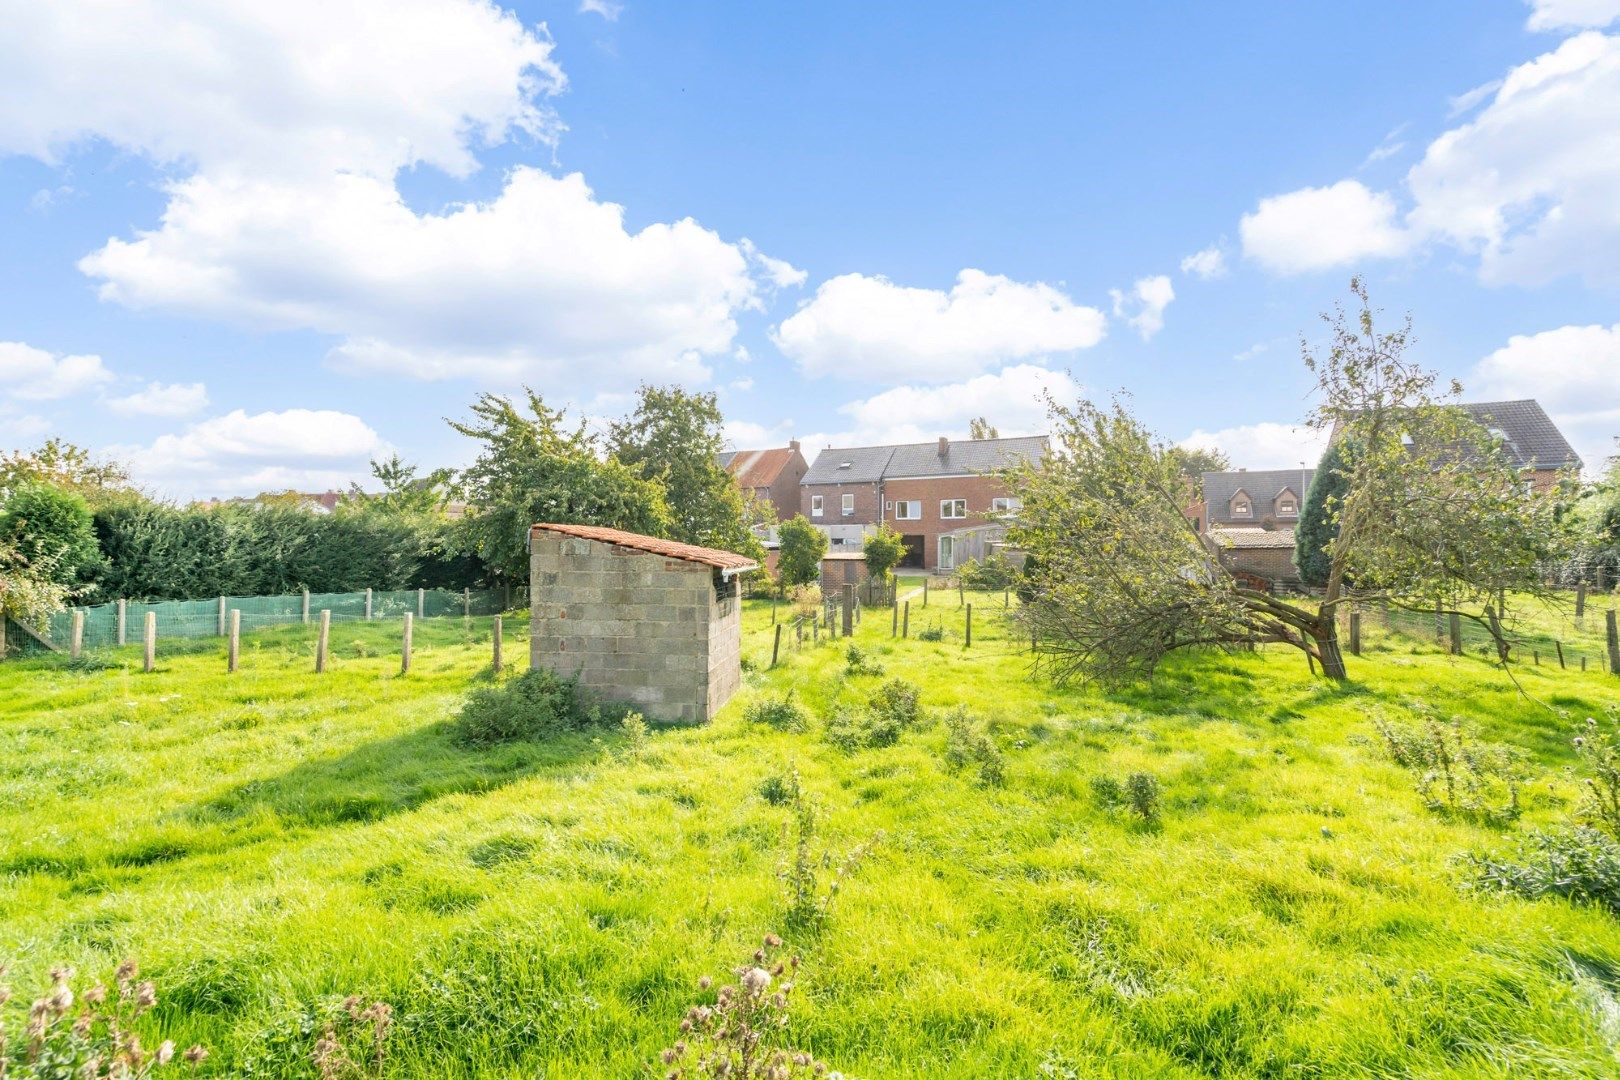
1287	504
1241	506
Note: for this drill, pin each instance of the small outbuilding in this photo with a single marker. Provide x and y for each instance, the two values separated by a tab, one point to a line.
637	619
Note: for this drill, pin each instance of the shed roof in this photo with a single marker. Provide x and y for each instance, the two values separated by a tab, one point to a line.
1253	538
757	468
721	560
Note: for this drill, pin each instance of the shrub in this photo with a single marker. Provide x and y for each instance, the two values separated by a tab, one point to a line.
931	633
1580	864
857	662
859	729
1457	774
87	1033
1142	796
1107	791
896	699
737	1035
968	744
781	788
535	705
1599	750
994	572
636	736
780	711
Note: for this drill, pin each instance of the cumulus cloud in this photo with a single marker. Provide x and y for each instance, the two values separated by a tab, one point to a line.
1573	371
30	374
868	327
1208	264
283	210
1530	185
1265	445
243	454
160	399
1143	307
1321	228
608	9
1572	14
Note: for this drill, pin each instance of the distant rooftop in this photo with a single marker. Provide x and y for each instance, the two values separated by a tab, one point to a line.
870	464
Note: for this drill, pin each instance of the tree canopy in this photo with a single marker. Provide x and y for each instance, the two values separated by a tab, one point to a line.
798	562
1317	526
883	549
51	527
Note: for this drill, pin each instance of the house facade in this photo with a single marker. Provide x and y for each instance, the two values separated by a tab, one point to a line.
771	476
926	492
1248	518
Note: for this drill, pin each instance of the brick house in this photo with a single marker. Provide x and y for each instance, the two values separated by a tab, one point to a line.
1248	517
771	476
924	491
1529	438
651	623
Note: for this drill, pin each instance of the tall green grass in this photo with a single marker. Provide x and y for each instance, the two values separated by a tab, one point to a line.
268	842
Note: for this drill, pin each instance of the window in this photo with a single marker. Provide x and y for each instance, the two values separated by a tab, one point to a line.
1241	507
947	552
815	506
907	510
952	508
1286	506
849	505
1004	506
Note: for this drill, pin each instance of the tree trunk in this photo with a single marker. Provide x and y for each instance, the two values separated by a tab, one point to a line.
1332	657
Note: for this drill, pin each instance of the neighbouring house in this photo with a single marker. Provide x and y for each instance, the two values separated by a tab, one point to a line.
648	622
771	476
1248	518
1531	441
927	492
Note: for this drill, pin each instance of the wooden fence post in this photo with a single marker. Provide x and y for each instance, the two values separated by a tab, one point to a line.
495	645
421	603
466	603
894	620
849	608
967	639
776	645
1614	642
323	640
1355	633
233	649
1006	598
123	621
1559	645
925	592
405	645
222	616
149	636
368	605
1456	634
773	610
905	621
1580	601
961	597
306	607
77	647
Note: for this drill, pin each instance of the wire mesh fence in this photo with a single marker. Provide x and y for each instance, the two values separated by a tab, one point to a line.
110	625
1559	641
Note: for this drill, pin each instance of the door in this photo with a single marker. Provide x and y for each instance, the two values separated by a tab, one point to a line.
915	547
947	553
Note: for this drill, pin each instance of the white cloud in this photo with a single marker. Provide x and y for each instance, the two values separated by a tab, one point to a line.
285	141
243	454
1573	371
1469	100
1321	228
1570	14
1143	307
608	9
870	328
1530	184
30	374
159	399
1208	264
17	427
749	435
1265	445
778	272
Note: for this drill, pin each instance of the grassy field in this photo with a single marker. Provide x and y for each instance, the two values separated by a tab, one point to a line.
268	842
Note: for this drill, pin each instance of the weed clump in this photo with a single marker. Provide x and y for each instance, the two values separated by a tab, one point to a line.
535	705
354	1043
1580	864
1599	751
780	711
896	699
931	633
781	788
1457	774
1141	794
737	1036
808	905
968	744
88	1033
861	729
857	662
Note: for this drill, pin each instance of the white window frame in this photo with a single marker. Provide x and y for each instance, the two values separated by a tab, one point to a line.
946	505
1288	509
815	506
914	505
848	505
1006	504
1243	509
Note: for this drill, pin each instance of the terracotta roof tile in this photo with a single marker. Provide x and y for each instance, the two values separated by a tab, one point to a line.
721	560
758	468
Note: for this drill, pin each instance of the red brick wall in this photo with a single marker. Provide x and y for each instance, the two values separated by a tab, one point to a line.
784	494
930	491
866	503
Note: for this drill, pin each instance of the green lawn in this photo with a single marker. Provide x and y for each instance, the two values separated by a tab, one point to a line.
268	841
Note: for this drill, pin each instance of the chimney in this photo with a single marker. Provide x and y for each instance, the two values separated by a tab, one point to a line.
793	445
944	446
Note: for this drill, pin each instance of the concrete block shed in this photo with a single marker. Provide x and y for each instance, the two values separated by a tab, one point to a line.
636	619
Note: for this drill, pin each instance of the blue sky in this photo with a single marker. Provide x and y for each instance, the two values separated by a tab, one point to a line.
262	246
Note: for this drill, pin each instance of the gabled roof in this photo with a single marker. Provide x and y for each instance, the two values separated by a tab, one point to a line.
869	464
1261	485
1530	439
757	468
720	560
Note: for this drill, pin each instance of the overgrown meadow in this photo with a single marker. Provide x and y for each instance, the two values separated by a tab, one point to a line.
1222	873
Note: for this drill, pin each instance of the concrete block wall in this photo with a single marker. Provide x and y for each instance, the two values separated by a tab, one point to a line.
633	627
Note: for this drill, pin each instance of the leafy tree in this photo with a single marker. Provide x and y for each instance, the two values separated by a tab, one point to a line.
30	591
979	428
531	468
1192	462
63	465
884	549
674	438
1433	518
403	492
1317	526
50	526
798	562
